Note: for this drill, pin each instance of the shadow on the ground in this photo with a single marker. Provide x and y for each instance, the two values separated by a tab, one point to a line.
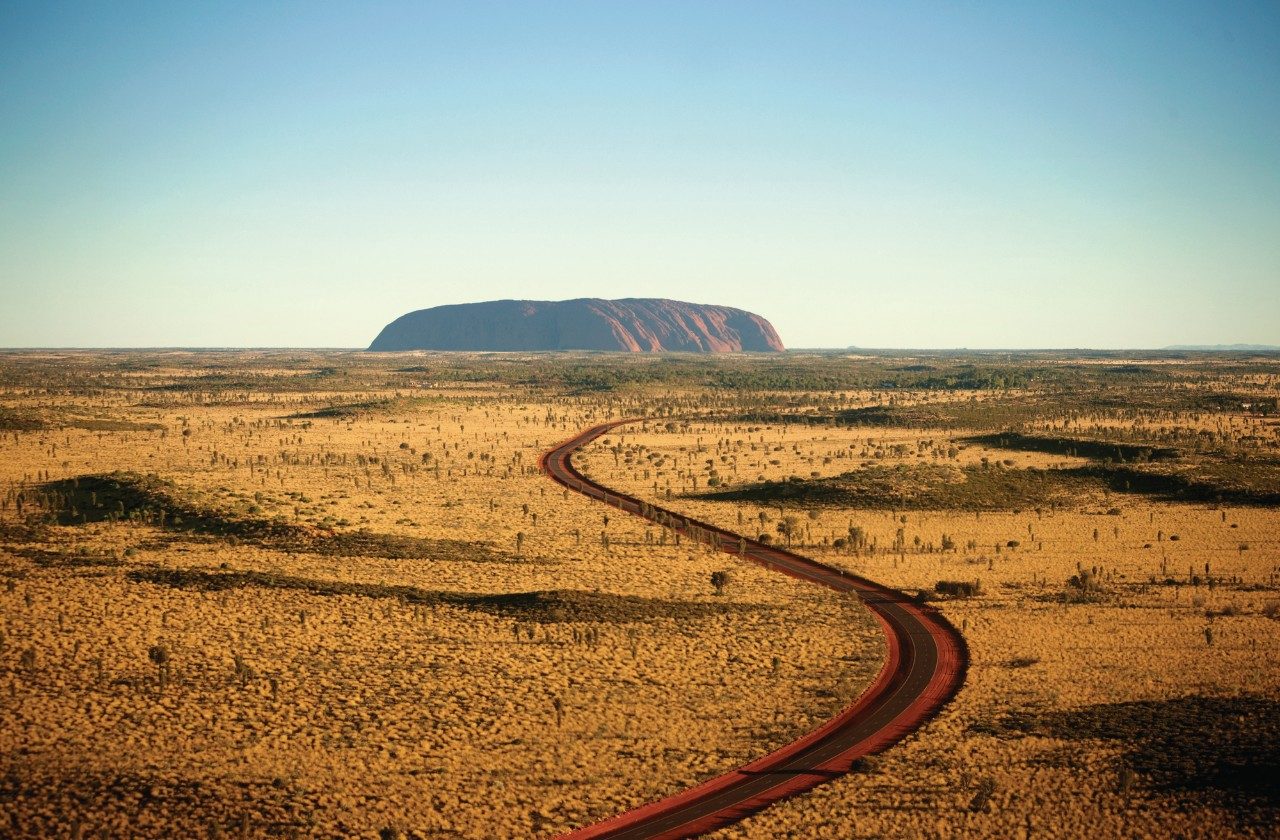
150	500
1098	450
973	487
548	607
1228	747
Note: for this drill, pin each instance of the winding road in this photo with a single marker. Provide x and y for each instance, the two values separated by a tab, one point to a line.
924	668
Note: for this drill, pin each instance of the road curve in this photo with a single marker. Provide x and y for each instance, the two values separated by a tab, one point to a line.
924	668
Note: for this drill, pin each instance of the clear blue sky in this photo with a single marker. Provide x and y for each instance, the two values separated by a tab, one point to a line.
876	174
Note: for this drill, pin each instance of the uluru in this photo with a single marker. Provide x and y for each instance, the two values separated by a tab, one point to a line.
635	325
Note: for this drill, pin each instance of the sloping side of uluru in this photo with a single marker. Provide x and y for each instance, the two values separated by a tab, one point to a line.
634	325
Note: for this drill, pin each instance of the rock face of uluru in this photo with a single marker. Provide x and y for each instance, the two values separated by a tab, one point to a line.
633	324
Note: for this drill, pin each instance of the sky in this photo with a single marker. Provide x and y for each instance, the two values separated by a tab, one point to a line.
866	174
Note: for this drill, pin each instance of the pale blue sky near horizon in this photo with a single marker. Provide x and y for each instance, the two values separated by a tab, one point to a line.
881	174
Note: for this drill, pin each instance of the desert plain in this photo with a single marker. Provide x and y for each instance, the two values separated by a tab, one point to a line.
330	594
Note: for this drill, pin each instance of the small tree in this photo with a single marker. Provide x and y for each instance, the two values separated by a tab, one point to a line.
243	672
982	796
788	526
159	656
719	580
1085	581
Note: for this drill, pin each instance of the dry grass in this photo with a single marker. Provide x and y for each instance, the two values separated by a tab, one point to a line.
231	619
1106	629
339	598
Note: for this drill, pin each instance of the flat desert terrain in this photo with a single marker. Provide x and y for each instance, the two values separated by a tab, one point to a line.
306	594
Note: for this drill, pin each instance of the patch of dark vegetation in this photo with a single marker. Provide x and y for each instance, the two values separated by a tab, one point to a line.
1002	411
1255	483
215	382
100	424
786	372
563	605
779	418
365	543
82	558
968	414
1098	450
993	487
921	487
547	607
14	420
345	410
56	800
818	378
1226	748
1232	402
151	500
20	532
366	408
1009	411
958	588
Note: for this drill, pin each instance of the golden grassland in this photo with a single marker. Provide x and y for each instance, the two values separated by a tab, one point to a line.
310	594
1144	704
288	686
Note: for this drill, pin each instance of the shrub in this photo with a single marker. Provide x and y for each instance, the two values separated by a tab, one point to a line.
1084	587
867	764
958	588
982	796
1085	582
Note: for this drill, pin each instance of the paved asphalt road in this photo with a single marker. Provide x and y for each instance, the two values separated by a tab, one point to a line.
924	668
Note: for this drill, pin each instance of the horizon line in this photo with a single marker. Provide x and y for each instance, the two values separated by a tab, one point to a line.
1241	347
